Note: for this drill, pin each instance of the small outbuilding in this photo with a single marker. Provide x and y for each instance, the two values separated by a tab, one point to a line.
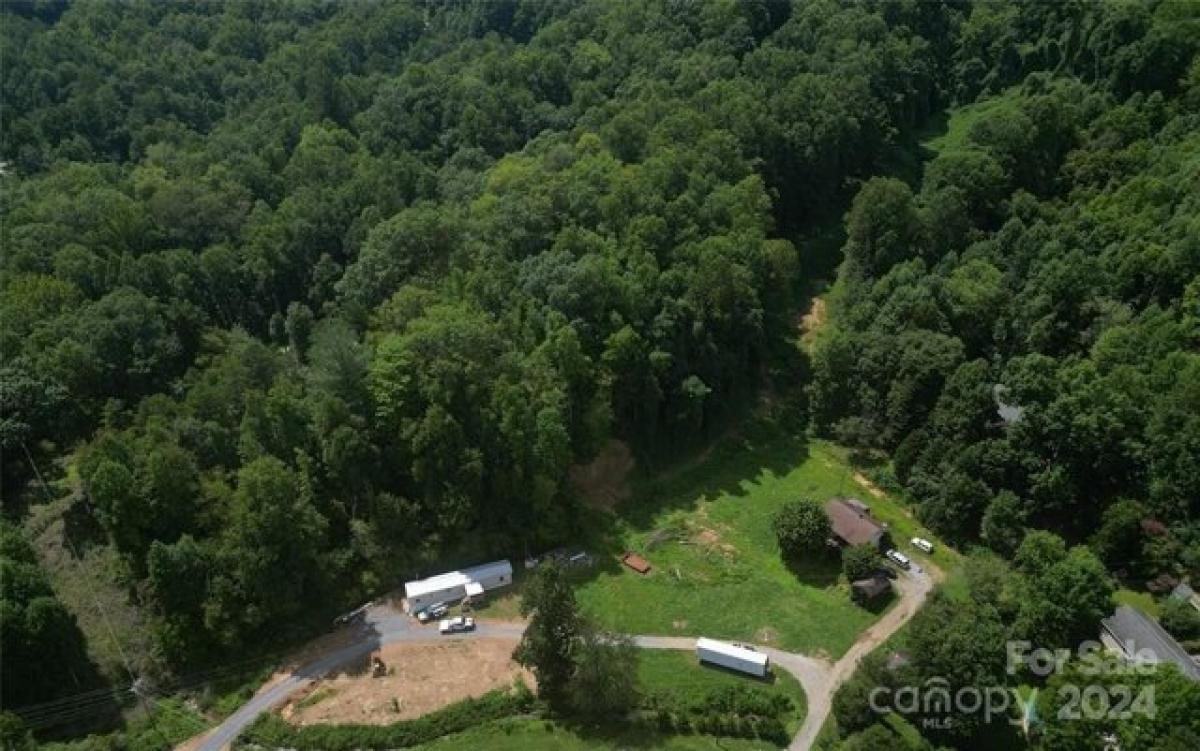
636	562
871	589
1184	593
732	656
455	585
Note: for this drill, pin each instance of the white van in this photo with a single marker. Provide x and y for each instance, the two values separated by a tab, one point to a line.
900	559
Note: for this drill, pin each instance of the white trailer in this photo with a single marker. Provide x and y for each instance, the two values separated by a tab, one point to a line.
453	586
732	656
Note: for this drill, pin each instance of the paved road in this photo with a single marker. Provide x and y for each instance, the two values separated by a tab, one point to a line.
384	625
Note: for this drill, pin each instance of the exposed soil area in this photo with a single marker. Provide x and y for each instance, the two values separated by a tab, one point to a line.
604	481
870	487
420	678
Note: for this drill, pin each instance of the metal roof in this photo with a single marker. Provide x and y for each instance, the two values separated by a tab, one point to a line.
460	578
731	650
1137	632
851	525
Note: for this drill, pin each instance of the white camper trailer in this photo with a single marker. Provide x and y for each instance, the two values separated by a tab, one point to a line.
732	656
456	585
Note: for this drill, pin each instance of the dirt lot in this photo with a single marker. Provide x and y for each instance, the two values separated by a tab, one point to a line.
420	679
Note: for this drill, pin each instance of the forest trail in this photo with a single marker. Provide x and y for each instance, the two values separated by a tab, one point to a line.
812	321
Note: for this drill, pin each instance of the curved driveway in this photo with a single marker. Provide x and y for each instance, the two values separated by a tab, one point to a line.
384	625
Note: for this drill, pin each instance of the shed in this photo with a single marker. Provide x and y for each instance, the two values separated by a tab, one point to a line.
453	585
636	562
865	590
1184	593
853	527
1138	638
732	656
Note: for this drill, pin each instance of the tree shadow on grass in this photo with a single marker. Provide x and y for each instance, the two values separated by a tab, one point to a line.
766	680
616	734
877	605
725	467
816	571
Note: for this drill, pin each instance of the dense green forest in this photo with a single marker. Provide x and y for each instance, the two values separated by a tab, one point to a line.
305	294
1047	262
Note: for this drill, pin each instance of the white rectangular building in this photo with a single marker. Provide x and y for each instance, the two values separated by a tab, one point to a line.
455	585
732	656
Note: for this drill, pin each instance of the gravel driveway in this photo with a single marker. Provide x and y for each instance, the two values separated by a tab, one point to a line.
385	625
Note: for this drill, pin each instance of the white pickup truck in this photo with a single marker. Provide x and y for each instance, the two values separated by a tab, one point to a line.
457	624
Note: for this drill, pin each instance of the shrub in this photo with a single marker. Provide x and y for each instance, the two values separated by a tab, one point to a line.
801	528
859	561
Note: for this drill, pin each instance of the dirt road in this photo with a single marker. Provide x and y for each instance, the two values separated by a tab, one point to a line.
385	625
914	588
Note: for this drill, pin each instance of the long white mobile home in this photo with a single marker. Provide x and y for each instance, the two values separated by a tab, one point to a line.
456	585
732	656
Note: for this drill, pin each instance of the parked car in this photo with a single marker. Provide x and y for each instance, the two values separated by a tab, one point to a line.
900	559
457	624
436	610
922	544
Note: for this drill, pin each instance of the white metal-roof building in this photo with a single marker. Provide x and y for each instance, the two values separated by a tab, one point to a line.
732	656
455	585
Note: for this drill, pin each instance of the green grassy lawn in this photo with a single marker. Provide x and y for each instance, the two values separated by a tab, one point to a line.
679	678
959	124
1143	601
523	734
706	530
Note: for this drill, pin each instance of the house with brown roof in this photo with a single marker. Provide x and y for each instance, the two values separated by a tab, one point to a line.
852	524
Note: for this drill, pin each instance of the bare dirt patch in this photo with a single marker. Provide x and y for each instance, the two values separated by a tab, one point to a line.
711	539
420	678
870	487
604	481
766	635
812	321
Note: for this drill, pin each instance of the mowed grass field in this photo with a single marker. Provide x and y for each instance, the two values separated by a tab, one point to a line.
682	680
673	675
706	530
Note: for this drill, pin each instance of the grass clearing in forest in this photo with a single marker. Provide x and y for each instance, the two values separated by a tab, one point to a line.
706	529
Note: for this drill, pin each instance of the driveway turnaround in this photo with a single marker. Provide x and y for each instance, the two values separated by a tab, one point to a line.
384	625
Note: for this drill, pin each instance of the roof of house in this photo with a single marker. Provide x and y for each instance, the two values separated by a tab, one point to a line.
1183	592
851	525
461	578
872	587
1137	633
857	505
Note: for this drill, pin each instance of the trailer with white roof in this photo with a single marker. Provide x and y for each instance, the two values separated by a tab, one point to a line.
455	585
732	656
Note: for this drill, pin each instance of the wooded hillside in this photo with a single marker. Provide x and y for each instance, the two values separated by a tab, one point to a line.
301	295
